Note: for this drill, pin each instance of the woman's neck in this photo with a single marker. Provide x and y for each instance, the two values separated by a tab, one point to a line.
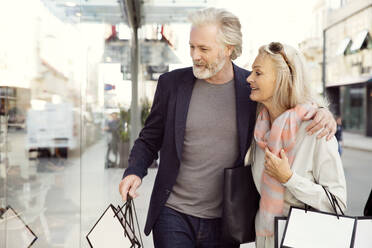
274	111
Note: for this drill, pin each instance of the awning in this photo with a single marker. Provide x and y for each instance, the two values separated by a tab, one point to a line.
156	52
358	41
97	11
343	46
117	52
152	52
113	11
351	80
15	84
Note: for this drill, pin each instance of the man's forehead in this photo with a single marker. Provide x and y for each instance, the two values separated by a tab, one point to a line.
203	35
205	29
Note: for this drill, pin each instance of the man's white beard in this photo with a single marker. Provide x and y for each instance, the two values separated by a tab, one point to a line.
208	70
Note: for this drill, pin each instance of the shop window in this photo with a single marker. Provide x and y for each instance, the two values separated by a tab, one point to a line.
353	109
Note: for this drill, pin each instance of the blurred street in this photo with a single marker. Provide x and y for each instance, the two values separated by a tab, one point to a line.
358	171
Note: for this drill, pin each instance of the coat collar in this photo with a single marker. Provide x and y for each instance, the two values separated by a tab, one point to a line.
243	108
184	92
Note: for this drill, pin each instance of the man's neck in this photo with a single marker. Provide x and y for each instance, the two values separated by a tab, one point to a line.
225	75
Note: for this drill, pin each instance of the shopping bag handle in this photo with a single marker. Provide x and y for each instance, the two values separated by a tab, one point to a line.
128	213
332	200
120	209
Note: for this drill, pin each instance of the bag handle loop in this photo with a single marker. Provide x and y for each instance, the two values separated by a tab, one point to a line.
129	207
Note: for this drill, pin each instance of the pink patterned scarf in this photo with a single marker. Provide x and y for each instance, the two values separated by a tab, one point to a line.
281	135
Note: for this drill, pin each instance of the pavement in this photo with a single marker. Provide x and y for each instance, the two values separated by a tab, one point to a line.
357	141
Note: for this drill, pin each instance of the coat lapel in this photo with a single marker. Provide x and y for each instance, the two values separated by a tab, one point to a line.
244	106
184	93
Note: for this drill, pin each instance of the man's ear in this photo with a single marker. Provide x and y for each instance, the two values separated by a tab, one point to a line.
229	49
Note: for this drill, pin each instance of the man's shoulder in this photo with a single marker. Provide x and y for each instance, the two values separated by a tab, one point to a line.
170	80
241	70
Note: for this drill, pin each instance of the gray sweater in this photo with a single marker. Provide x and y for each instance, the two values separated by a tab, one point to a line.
210	146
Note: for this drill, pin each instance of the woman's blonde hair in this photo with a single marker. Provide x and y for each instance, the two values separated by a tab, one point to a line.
229	27
292	80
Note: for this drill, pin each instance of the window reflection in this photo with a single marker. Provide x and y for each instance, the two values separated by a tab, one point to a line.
65	97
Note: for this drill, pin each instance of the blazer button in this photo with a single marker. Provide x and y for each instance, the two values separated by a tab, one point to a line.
167	191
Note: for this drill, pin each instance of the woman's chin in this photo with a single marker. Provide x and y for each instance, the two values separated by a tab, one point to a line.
254	98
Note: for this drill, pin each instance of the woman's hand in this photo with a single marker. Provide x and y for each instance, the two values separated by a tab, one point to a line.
276	167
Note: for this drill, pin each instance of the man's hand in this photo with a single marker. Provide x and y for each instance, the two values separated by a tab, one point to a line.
129	184
322	119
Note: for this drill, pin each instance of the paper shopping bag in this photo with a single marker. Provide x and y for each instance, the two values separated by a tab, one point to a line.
311	228
363	232
17	232
280	223
115	228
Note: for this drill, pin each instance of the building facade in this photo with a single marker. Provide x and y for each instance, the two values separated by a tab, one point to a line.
347	71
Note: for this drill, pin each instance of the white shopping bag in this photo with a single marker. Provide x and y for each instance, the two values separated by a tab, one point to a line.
115	228
310	228
363	233
280	223
18	233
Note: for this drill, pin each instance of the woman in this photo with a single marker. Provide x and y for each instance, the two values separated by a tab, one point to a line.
290	167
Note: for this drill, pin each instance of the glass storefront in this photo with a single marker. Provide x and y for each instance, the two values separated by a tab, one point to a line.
63	104
353	107
66	123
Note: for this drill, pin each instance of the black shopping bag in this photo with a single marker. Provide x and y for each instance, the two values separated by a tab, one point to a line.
116	228
240	205
18	233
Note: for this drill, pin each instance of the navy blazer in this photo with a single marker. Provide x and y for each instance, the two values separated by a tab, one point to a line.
164	130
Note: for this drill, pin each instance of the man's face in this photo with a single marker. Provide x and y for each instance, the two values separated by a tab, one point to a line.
207	53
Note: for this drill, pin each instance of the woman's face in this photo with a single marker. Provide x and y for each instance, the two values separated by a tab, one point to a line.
262	79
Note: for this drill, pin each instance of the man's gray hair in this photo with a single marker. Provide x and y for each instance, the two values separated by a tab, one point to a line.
229	27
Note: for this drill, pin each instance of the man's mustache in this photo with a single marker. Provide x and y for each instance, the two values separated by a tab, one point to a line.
199	63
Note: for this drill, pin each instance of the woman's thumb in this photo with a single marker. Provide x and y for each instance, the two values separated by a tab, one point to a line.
282	154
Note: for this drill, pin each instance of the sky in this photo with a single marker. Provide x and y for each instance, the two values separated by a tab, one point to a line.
287	21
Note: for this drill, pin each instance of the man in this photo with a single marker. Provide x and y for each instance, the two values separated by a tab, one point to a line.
112	128
202	122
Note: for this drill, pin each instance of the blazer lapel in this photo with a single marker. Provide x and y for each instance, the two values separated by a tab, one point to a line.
184	93
243	107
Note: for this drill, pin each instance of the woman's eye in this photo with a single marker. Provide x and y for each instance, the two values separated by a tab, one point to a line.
258	73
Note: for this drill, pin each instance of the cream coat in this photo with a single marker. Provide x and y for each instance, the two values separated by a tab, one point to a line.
317	162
